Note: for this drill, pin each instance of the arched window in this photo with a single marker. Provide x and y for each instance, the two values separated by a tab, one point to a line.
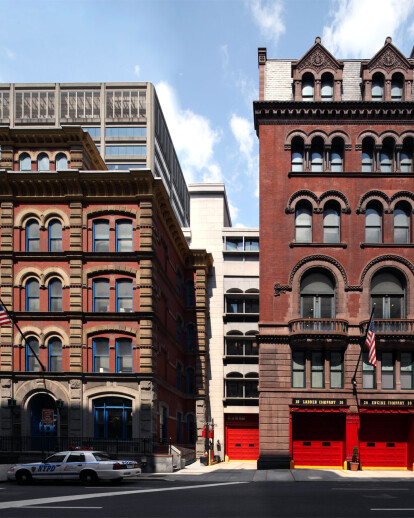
297	154
367	155
191	337
101	235
43	162
317	296
317	155
25	162
388	295
308	87
32	364
337	155
397	86
113	418
251	385
32	236
55	354
124	297
101	355
124	235
55	295
55	236
123	355
303	223
190	380
234	385
61	162
402	224
327	88
373	223
378	87
387	155
406	162
331	223
179	329
32	295
179	375
100	289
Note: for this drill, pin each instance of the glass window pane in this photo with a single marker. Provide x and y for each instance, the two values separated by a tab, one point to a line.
326	307
298	379
102	288
308	309
101	230
125	288
303	235
396	307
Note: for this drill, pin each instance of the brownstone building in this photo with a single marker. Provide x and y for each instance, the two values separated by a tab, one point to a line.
336	189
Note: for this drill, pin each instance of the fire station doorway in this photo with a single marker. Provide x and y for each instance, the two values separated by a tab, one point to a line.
242	437
318	439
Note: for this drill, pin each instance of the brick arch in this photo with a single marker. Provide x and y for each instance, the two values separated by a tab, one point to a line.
53	272
386	261
30	271
29	213
317	133
50	331
55	213
28	330
319	261
111	268
303	194
379	196
406	196
109	328
364	134
337	196
390	134
340	134
109	210
291	135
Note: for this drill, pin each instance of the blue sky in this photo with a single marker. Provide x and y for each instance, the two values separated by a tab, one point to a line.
202	57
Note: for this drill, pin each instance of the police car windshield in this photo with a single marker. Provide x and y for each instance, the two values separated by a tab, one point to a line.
57	457
101	455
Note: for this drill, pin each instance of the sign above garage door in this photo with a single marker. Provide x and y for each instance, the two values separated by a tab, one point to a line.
319	402
387	402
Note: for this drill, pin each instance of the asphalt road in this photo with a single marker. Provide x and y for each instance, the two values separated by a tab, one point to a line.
162	498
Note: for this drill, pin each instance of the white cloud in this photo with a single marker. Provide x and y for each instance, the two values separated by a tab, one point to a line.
193	137
358	28
268	16
243	133
234	213
7	52
224	51
137	70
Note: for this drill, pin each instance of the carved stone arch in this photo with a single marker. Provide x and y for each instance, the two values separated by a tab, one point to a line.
386	261
406	134
317	61
26	214
364	134
51	331
31	388
110	327
28	330
291	135
319	261
337	196
53	272
407	196
55	213
97	392
379	196
299	196
390	134
30	271
53	154
109	210
110	268
341	134
317	133
387	60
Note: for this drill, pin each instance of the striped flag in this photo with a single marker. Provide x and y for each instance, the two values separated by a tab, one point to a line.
4	317
370	343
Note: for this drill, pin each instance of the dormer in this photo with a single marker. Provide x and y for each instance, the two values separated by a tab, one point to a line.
388	75
317	76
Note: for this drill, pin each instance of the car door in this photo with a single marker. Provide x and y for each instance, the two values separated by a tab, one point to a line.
51	468
74	463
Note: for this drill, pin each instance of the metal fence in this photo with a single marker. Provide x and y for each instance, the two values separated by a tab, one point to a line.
50	444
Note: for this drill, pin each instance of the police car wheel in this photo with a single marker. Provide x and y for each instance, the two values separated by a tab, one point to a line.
24	477
88	478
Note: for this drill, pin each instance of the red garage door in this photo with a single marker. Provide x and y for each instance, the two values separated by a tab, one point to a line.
318	439
243	443
383	441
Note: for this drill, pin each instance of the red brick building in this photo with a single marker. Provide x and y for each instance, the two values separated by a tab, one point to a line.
98	275
336	203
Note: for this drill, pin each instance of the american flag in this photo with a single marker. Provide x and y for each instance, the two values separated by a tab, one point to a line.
370	342
4	317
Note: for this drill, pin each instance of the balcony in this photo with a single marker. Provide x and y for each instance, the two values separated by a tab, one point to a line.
318	326
390	326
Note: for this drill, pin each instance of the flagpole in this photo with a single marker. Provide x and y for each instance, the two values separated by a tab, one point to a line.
353	380
24	338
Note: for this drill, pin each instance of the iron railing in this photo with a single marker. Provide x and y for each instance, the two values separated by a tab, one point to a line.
318	325
390	326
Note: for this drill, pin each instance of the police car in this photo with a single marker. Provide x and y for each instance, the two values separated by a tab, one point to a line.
88	466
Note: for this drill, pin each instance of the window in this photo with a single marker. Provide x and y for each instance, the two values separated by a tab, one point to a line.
317	155
25	162
123	355
43	162
367	155
373	223
35	105
125	104
101	235
94	131
234	387
32	236
125	150
337	155
238	302
378	87
327	87
337	370
401	224
308	84
251	386
387	371
179	375
233	244
387	156
179	283
190	381
61	162
124	236
124	298
191	337
113	418
397	85
100	295
388	294
298	369
234	305
80	104
126	131
55	354
55	295
297	154
317	370
303	223
191	429
406	162
32	295
317	296
406	374
55	236
101	355
190	293
76	457
368	372
32	365
251	245
331	222
239	345
179	329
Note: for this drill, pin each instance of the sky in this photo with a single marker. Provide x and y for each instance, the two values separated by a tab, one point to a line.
201	56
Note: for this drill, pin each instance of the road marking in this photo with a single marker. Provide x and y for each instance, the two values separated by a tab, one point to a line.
57	507
394	509
369	489
52	500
